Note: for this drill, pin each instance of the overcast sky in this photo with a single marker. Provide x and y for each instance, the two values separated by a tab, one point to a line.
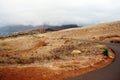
54	12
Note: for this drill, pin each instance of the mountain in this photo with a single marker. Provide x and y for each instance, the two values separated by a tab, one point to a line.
14	28
49	28
56	28
7	30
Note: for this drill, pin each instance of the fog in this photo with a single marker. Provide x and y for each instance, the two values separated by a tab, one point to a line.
57	12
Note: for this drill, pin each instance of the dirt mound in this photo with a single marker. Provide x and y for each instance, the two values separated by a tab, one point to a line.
108	38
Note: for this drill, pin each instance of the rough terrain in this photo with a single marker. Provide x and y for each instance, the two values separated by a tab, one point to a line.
58	55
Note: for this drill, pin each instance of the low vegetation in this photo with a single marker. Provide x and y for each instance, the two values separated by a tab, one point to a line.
76	49
105	52
10	55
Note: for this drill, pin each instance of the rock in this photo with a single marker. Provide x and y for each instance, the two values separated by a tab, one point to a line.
74	52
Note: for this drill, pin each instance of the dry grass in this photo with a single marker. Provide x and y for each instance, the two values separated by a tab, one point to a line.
19	50
41	51
27	49
87	32
53	53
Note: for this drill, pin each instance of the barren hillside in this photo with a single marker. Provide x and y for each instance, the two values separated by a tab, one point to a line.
88	32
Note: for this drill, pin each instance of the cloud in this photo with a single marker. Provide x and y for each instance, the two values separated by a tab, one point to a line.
55	12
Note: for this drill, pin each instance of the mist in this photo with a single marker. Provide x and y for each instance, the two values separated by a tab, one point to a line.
57	12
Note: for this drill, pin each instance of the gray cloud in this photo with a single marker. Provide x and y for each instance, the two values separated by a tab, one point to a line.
55	12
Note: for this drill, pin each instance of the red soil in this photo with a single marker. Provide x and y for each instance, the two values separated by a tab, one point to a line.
41	73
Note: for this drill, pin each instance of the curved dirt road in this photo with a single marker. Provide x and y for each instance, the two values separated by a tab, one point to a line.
111	72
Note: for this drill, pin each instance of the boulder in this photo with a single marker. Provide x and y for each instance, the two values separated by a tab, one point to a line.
75	52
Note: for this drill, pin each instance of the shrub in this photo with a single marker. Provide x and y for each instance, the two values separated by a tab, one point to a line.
105	52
